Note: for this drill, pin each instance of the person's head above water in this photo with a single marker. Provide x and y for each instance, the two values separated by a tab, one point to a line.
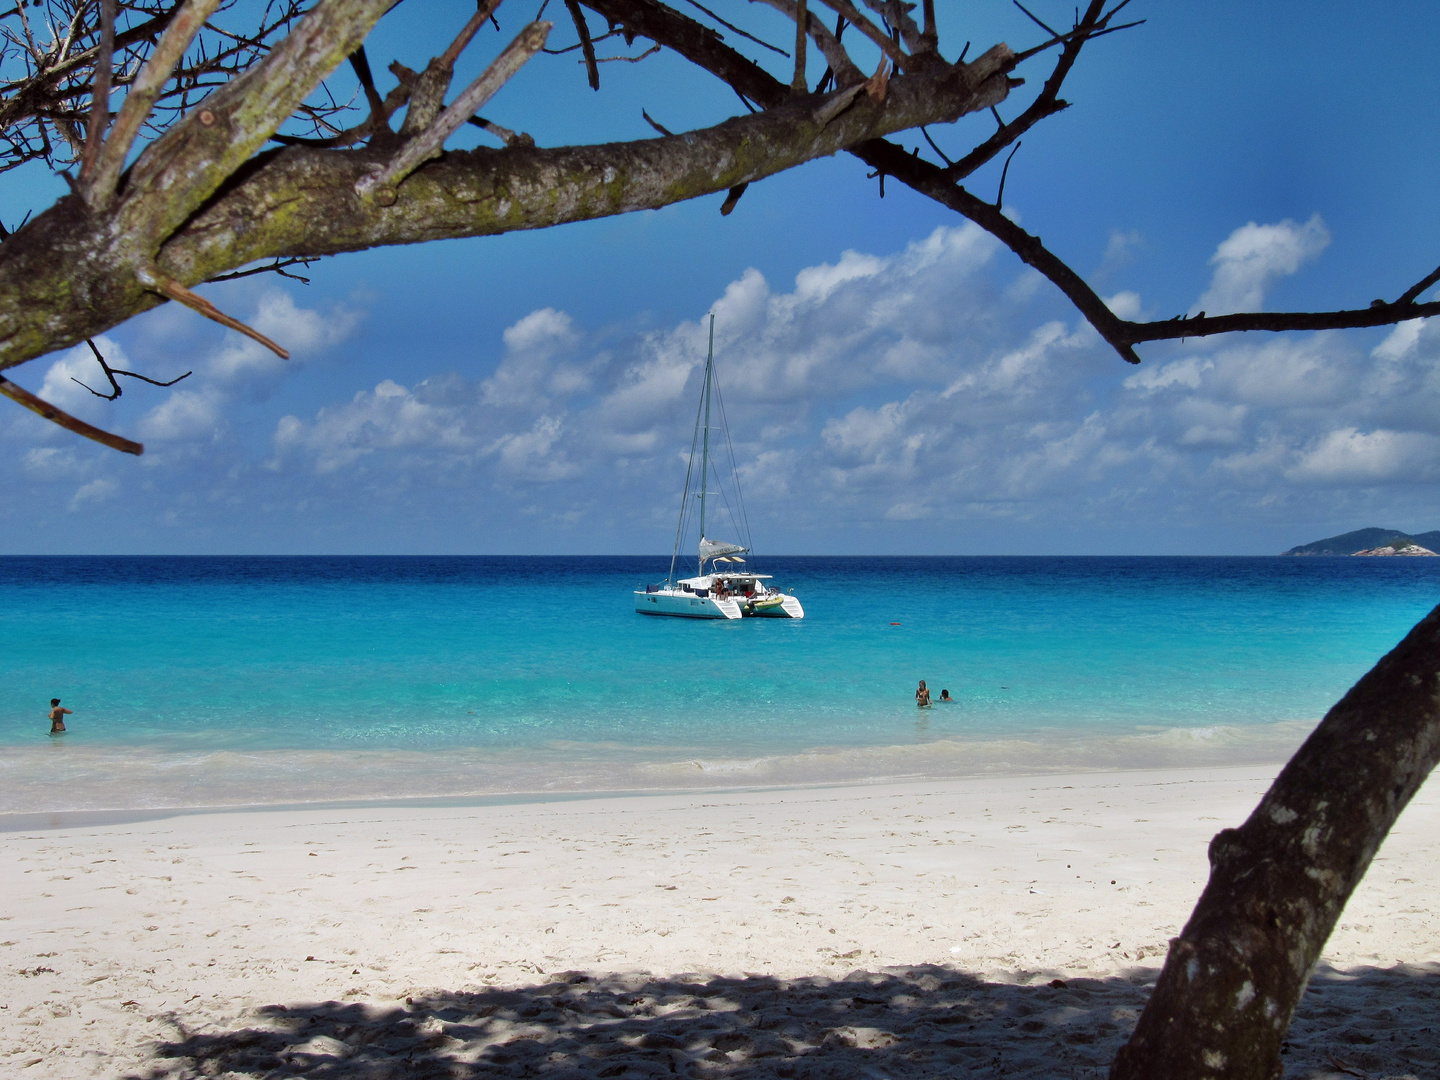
922	683
944	695
54	701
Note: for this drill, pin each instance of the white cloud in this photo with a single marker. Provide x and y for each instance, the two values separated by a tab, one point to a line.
388	418
532	454
302	332
1125	305
532	367
930	384
100	489
1352	456
1182	373
1400	341
1251	258
185	414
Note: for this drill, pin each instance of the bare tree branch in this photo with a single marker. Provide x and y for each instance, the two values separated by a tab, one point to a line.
586	45
175	291
1410	295
1121	334
100	96
142	96
870	30
380	183
110	373
43	408
798	82
842	68
736	30
278	266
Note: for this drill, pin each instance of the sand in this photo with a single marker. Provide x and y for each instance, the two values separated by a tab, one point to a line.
999	926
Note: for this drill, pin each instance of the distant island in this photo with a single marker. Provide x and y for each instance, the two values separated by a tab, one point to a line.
1372	542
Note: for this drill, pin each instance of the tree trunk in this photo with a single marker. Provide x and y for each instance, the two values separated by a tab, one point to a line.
1277	884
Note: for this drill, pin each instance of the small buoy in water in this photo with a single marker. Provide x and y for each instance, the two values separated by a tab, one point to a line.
894	624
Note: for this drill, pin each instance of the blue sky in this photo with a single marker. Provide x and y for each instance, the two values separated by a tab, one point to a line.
896	381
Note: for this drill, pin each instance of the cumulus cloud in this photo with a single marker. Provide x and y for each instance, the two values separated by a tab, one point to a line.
935	384
185	414
1251	258
1350	456
919	385
533	367
388	418
303	332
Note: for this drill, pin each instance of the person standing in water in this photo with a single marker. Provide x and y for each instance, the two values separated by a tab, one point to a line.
57	717
922	696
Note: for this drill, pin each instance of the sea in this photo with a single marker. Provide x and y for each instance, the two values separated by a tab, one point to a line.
255	681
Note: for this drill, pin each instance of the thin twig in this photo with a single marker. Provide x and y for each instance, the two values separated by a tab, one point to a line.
504	134
37	405
1033	19
654	124
483	11
110	374
100	91
799	84
277	267
1410	295
1047	102
1004	172
380	183
651	51
1121	334
143	94
175	291
937	149
360	63
587	47
869	29
577	46
735	29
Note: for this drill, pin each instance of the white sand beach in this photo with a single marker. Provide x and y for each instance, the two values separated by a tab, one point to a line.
1002	925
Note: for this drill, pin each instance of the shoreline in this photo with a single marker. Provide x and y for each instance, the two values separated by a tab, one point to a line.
83	819
94	783
325	935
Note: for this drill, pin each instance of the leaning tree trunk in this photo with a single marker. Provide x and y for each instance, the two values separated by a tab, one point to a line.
1277	884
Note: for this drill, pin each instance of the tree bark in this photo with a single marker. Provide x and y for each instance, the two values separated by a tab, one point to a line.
1235	974
74	273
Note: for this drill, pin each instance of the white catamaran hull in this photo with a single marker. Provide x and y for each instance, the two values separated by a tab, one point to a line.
686	605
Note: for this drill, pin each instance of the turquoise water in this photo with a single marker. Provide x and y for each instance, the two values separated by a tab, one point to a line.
488	674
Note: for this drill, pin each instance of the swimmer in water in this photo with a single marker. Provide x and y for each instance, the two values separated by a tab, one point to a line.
57	717
922	696
945	697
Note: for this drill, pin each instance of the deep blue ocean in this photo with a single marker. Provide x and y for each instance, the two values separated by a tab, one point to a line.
246	680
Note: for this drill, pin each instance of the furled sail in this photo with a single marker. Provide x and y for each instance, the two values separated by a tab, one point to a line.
711	548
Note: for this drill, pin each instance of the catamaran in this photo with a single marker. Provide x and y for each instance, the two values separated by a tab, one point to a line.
727	590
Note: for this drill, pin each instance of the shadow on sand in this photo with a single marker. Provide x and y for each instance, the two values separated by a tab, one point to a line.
910	1022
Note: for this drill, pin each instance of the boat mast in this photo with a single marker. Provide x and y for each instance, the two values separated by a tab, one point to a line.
705	445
